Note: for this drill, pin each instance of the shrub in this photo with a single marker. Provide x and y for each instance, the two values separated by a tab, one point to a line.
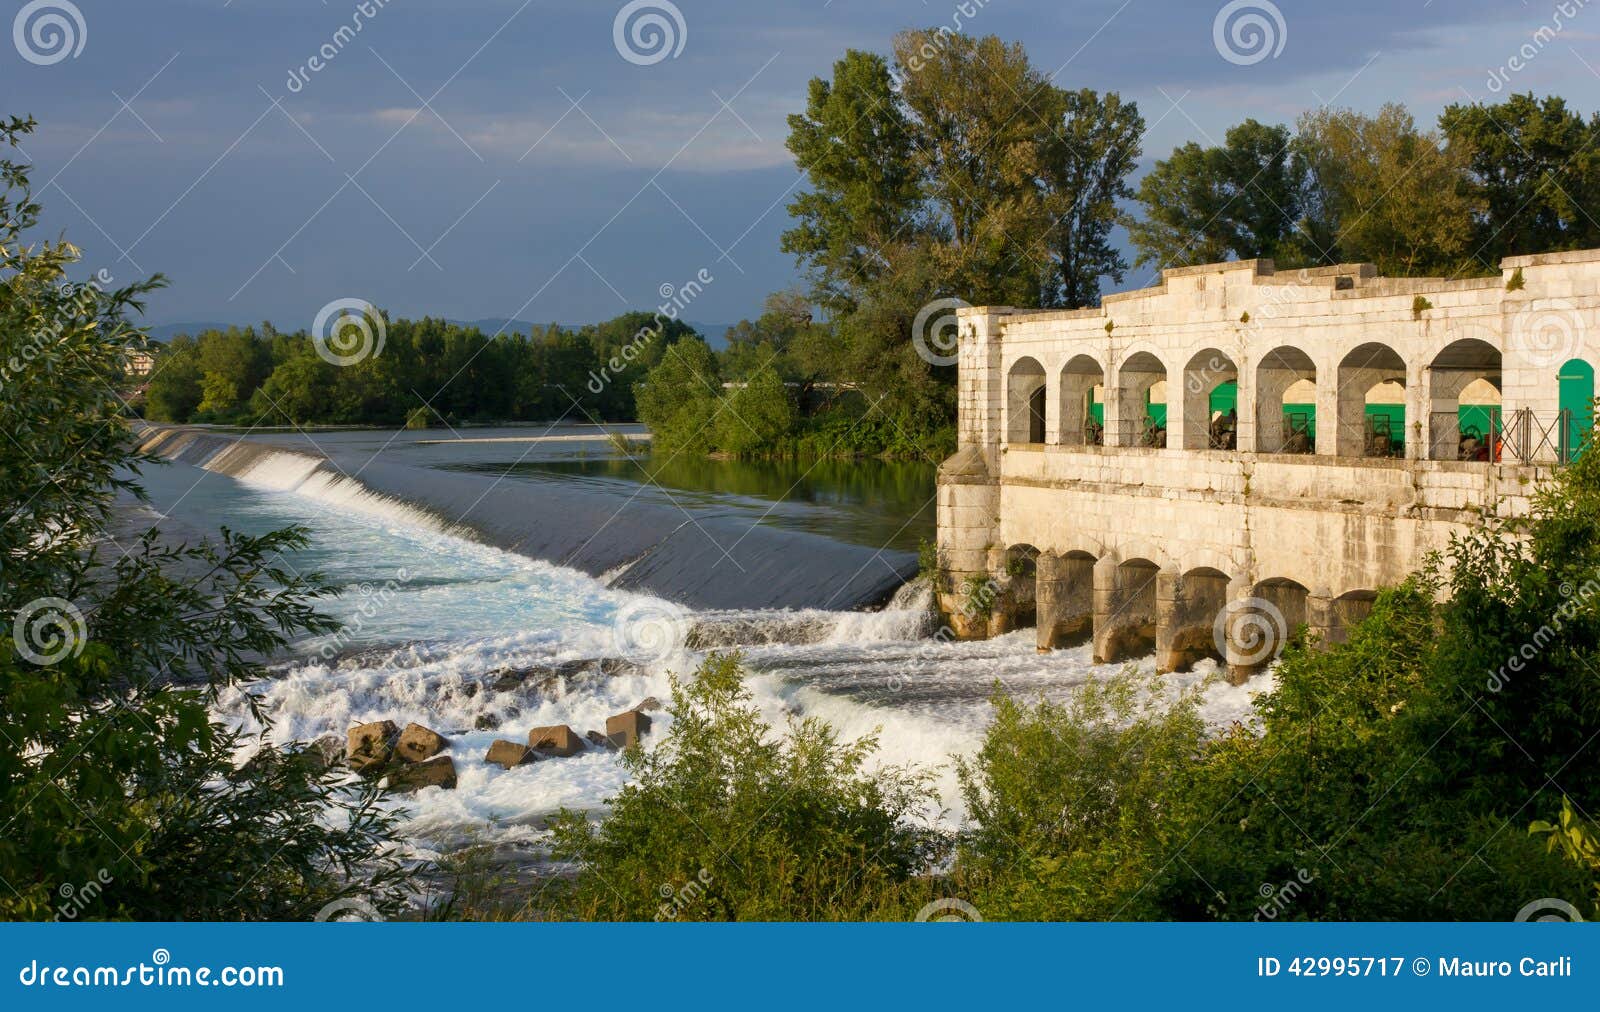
726	819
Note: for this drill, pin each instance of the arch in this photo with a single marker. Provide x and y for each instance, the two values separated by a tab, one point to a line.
1125	618
1286	402
1291	601
1082	396
1458	429
1349	610
1140	419
1575	386
1188	612
1065	599
1371	422
1021	580
1208	370
1025	400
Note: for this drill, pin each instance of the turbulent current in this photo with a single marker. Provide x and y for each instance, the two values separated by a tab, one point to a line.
446	627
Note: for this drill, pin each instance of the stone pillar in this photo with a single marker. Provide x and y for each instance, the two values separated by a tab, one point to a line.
1321	618
1241	647
1186	618
1124	611
968	505
1065	600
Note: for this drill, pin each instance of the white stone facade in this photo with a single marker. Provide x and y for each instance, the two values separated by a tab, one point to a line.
1142	540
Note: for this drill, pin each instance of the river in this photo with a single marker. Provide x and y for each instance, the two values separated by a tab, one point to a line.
437	609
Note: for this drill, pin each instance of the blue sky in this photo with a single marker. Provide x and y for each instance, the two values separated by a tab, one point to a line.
501	158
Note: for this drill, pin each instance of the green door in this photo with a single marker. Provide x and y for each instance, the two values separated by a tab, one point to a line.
1577	402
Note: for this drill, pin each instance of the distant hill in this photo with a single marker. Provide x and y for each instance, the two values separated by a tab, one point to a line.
716	334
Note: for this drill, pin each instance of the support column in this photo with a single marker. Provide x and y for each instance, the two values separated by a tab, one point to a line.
1186	618
1321	619
1242	647
1065	600
1124	610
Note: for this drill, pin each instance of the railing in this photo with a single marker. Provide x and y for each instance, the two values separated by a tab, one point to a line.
1523	437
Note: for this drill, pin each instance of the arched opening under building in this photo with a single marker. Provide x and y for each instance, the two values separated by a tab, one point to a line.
1349	610
1065	599
1125	619
1021	583
1083	416
1576	385
1372	403
1025	400
1286	402
1205	427
1283	604
1186	633
1141	402
1464	401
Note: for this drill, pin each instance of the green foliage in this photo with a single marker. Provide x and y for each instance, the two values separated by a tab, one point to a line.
679	400
1516	282
726	819
1535	166
1420	305
1076	802
1578	839
755	415
111	771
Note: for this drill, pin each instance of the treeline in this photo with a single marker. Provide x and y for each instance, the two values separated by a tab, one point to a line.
427	372
955	170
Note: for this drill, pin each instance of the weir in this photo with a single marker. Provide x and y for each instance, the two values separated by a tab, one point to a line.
703	562
1201	468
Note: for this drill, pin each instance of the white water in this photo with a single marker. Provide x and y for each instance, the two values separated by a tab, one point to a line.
430	616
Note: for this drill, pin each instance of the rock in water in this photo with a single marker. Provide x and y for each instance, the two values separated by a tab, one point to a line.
599	740
510	753
648	704
418	743
559	740
440	771
626	728
370	746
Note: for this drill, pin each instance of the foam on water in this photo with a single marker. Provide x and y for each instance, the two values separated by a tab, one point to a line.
432	620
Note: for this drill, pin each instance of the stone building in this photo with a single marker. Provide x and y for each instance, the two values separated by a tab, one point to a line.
1199	467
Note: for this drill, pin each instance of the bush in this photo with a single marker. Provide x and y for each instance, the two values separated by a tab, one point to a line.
727	820
1076	802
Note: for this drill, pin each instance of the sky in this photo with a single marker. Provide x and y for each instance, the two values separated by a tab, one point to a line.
566	162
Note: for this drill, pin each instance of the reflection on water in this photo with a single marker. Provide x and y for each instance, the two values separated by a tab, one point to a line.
883	504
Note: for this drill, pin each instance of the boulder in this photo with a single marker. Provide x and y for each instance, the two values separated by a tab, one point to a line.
371	746
325	751
559	740
649	704
509	753
599	740
418	743
440	771
626	728
485	722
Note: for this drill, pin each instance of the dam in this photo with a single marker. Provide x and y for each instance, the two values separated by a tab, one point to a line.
1200	468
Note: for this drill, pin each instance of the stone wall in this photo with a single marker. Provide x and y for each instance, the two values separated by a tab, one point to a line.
1143	546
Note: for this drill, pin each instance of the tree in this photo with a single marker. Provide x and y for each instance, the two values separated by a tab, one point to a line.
1086	167
679	399
1241	200
1395	196
855	145
174	392
755	416
1536	166
112	770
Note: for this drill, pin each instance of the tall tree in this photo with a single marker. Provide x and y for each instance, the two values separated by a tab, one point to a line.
1242	199
1087	161
1396	196
1536	165
854	144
